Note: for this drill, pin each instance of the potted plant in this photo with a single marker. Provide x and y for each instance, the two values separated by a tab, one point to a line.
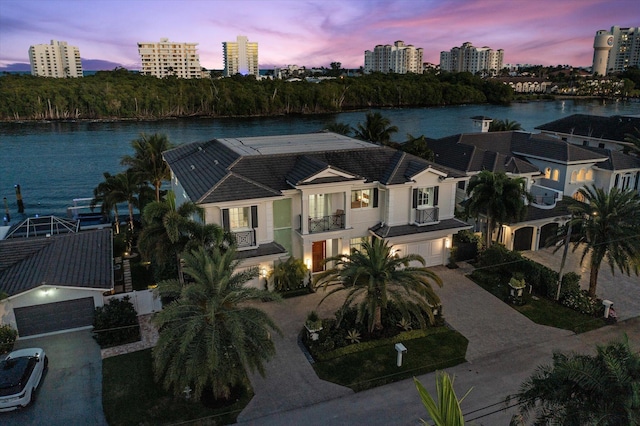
516	290
313	324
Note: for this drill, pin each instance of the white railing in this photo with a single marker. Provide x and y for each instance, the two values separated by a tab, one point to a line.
144	301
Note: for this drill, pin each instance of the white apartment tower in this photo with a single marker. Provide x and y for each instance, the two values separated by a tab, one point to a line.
399	58
58	60
468	58
240	57
168	58
622	49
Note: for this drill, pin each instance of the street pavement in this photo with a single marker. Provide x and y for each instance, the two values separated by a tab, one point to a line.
504	349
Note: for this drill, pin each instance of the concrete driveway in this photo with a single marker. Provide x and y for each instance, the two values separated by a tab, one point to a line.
71	390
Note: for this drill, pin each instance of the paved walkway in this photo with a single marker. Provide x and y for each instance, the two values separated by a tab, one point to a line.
504	349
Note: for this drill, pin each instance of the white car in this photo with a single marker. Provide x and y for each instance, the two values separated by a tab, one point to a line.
20	375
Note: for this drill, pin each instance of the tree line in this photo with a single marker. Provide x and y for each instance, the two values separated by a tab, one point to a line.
121	94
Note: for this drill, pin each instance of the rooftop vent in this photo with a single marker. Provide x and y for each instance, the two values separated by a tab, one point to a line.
193	167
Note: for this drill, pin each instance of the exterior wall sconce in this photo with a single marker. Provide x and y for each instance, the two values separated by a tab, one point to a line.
447	243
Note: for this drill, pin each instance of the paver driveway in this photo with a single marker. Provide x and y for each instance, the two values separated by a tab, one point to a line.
71	390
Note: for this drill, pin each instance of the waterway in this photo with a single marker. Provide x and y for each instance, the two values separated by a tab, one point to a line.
57	162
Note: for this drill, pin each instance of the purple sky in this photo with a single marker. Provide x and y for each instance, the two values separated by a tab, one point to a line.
314	32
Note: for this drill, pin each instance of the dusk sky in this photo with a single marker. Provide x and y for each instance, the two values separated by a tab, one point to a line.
313	32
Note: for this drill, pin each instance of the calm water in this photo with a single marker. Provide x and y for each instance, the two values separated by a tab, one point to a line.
57	162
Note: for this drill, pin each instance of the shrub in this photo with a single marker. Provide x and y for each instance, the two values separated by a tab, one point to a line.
116	323
580	301
288	275
8	336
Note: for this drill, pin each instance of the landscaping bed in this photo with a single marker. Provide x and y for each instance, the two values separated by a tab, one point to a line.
370	364
130	396
574	311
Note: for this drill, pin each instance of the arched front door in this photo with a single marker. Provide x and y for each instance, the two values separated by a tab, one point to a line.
548	230
522	239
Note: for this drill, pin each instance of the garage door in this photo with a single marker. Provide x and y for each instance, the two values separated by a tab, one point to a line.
54	316
432	251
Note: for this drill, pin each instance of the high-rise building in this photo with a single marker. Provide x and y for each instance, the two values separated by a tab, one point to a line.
240	57
399	58
168	58
468	58
57	59
621	47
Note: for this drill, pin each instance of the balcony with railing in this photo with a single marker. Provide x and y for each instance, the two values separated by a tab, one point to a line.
426	216
544	197
328	223
246	238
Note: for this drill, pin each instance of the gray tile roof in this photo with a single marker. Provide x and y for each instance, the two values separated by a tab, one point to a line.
83	259
612	128
616	159
385	231
267	249
505	151
212	172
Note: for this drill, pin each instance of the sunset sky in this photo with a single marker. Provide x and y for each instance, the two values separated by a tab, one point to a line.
313	32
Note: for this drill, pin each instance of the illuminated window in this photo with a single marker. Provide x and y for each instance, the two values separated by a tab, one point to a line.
361	199
239	218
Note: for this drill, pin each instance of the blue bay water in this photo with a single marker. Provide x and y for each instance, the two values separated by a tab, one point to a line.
57	162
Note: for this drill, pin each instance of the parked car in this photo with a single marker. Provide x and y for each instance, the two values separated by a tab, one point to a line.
20	375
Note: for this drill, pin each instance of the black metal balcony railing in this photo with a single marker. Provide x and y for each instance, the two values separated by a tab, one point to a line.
245	238
326	223
426	215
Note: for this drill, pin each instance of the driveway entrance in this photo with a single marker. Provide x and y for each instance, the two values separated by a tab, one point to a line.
71	390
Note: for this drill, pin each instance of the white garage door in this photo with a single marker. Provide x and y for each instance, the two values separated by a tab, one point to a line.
57	316
432	251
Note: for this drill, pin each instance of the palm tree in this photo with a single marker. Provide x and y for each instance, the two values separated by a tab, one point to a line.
376	129
376	274
169	230
584	389
209	335
126	187
496	196
634	139
147	159
105	194
504	126
605	226
339	128
447	411
418	147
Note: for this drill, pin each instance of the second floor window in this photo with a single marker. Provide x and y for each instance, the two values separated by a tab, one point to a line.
240	218
425	197
364	198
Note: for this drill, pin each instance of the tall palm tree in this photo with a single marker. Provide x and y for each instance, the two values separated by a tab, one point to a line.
105	194
209	335
376	129
126	187
169	230
497	197
147	159
584	389
504	126
605	226
447	411
377	275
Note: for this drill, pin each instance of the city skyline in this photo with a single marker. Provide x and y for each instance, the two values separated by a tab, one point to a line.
312	33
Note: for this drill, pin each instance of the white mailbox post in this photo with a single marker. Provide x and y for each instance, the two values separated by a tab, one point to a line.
607	307
401	349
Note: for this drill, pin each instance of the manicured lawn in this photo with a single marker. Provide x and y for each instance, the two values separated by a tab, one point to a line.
131	397
546	312
377	366
540	310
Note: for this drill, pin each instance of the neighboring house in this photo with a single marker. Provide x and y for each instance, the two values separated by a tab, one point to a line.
317	195
54	281
528	84
553	169
593	130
